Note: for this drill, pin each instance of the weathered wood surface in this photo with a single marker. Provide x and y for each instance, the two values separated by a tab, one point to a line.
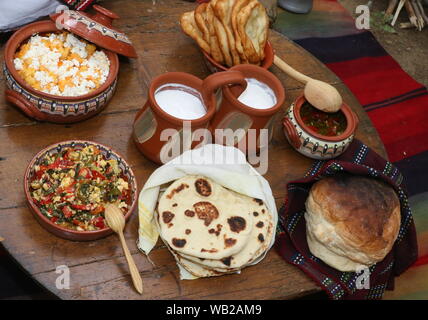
98	269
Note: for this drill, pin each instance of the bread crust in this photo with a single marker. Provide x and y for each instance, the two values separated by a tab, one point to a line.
253	33
353	217
188	24
231	31
223	42
201	21
214	44
223	11
237	7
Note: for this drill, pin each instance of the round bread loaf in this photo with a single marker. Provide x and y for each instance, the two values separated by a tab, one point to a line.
351	221
200	218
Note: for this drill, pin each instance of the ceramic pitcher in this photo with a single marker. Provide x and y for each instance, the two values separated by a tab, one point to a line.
234	115
152	122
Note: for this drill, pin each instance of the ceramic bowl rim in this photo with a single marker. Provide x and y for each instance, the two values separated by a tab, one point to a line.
255	111
351	123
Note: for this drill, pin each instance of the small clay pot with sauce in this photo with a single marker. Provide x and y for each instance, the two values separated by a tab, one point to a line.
317	134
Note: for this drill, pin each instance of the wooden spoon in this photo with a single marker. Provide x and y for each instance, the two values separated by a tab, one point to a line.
116	221
318	93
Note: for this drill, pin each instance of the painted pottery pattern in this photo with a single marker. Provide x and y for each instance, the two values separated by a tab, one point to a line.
62	108
91	24
313	147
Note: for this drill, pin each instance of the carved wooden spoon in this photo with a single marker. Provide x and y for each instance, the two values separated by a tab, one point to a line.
116	221
318	93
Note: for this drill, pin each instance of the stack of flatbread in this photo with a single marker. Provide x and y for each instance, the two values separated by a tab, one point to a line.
231	31
212	230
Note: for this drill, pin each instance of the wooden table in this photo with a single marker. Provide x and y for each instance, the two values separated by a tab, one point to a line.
98	269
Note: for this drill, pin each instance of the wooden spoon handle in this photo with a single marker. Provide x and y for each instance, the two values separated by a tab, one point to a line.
135	274
290	71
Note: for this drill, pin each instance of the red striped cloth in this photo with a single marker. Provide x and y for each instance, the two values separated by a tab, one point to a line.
396	104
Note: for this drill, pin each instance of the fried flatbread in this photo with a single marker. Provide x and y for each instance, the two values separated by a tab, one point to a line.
201	21
201	218
258	242
237	7
222	41
223	11
188	24
253	24
216	53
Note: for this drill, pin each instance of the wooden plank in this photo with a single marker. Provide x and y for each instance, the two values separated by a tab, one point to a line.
270	279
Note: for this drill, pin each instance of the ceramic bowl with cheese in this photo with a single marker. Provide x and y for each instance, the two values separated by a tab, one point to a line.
29	80
68	184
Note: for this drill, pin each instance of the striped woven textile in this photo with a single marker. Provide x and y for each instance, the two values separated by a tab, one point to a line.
396	104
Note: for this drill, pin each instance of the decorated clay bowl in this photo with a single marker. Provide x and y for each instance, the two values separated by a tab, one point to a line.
312	144
46	107
71	234
214	66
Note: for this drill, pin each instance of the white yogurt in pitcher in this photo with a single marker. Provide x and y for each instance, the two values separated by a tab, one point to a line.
257	95
180	101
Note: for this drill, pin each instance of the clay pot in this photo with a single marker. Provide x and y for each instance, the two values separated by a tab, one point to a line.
151	120
68	233
234	115
41	106
214	66
312	144
46	107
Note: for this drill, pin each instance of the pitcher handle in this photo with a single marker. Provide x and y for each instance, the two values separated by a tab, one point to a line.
218	79
24	105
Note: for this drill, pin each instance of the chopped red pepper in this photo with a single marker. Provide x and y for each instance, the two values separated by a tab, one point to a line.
67	211
54	219
96	174
69	189
124	195
98	210
99	222
85	173
81	206
47	199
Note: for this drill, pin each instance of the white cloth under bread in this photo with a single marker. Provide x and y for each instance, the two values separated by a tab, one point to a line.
225	165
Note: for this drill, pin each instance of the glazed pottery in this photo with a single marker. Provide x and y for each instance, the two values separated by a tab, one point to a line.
68	233
232	114
312	144
97	28
214	66
62	109
152	120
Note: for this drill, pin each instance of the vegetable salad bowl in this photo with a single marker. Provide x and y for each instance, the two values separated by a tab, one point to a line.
49	220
